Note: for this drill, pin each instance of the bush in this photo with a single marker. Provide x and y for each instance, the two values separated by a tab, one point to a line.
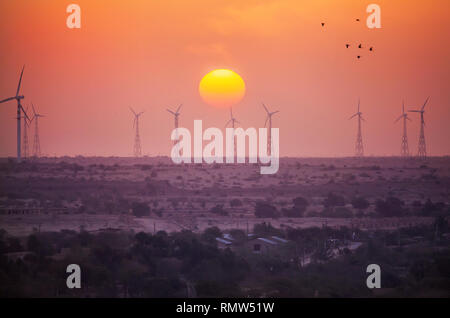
339	212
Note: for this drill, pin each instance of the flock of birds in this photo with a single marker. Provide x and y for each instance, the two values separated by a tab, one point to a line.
360	46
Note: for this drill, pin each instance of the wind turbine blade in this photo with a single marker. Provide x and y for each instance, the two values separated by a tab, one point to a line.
170	111
231	112
408	118
398	119
133	111
34	111
266	121
358	104
7	99
273	113
227	123
353	116
403	106
265	108
425	103
20	81
179	107
415	111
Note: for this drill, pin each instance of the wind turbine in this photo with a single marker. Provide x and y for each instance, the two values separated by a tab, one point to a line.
233	121
36	144
359	148
19	108
176	114
422	153
137	138
269	138
404	115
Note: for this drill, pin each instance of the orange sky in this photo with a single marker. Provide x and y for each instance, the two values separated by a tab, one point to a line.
152	54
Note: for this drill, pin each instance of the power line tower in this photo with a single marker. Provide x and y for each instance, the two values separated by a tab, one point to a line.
25	137
137	139
422	153
36	143
405	148
359	147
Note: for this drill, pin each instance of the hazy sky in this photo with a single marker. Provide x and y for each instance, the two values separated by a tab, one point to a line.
152	54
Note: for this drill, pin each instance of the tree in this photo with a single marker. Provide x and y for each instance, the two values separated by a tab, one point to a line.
390	207
360	203
333	200
218	209
140	209
210	234
235	203
300	202
300	205
265	210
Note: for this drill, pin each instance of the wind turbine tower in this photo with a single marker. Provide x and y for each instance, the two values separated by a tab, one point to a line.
37	143
19	109
137	139
405	148
359	147
422	153
269	136
176	114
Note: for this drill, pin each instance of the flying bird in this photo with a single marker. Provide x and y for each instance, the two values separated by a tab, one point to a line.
347	45
323	24
360	46
359	56
371	48
357	20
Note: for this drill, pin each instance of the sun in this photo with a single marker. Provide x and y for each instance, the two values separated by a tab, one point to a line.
222	88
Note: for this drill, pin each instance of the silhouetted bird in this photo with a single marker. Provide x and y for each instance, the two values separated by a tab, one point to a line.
323	24
360	46
371	49
359	56
347	45
357	20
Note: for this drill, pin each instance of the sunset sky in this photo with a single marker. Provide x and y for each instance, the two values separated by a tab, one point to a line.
151	55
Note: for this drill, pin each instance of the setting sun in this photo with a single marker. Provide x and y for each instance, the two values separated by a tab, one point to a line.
222	88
